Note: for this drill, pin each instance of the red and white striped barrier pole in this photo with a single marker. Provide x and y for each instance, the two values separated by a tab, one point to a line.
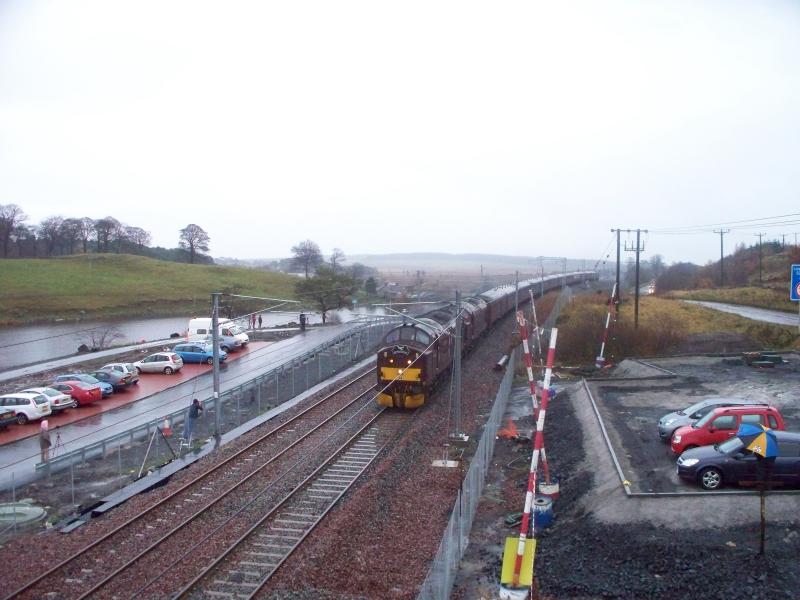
537	448
536	330
523	333
600	361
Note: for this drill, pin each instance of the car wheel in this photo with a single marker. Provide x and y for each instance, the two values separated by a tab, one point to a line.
139	371
74	404
210	360
167	370
225	348
710	478
22	419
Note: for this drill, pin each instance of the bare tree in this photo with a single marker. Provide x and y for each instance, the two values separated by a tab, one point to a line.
102	337
70	233
194	239
50	232
104	230
306	255
86	232
11	216
337	257
138	236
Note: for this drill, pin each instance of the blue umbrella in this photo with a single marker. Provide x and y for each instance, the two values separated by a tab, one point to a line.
759	440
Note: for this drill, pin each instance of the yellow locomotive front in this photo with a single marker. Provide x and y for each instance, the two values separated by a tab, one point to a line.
402	374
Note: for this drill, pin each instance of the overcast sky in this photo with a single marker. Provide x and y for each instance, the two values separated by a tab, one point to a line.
528	128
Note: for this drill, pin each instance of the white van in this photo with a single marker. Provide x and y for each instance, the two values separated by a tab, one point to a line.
231	335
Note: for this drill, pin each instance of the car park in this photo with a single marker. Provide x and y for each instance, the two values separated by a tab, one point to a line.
26	406
125	368
82	393
160	362
119	381
722	423
730	463
669	423
198	352
58	400
106	388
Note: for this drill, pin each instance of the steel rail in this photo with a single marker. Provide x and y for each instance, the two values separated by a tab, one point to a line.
209	570
202	477
247	505
223	495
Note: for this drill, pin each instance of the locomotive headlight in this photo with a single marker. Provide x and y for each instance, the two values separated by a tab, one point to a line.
409	361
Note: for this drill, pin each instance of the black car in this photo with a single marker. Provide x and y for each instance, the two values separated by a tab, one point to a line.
730	463
119	381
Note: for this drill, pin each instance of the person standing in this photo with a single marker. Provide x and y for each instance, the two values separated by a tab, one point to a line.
44	440
259	321
195	410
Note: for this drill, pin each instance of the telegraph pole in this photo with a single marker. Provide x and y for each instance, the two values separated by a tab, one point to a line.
516	293
616	299
760	235
215	341
721	232
638	249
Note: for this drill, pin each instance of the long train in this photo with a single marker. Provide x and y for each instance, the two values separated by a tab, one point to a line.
414	355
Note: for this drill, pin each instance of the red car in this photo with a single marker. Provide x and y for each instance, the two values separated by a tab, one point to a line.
723	423
82	393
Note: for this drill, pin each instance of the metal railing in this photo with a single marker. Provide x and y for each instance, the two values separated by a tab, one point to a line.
443	570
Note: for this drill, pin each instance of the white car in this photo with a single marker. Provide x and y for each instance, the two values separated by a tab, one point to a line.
26	406
123	369
58	400
160	362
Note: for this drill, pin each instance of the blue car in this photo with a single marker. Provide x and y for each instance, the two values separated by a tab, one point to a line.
106	388
198	352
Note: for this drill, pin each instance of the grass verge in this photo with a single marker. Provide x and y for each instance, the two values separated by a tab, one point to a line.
105	285
747	296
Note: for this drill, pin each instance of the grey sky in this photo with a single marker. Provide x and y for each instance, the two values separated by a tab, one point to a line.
511	128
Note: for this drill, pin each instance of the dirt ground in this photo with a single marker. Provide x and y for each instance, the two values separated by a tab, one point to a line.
603	544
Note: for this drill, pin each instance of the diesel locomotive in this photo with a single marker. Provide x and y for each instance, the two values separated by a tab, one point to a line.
414	355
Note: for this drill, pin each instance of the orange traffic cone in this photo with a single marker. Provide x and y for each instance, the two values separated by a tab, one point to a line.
166	429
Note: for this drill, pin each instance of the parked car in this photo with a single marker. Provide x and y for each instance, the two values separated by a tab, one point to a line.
82	393
722	423
26	406
730	463
58	400
118	381
669	423
106	388
127	368
7	417
160	362
198	352
231	335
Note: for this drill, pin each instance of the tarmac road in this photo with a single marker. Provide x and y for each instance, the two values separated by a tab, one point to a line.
21	457
749	312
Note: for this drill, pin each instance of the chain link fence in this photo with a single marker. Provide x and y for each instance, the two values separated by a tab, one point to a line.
442	573
76	480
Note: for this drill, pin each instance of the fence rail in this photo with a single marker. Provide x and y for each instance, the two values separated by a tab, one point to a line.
442	573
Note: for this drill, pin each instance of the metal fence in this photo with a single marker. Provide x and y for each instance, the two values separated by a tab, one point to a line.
442	573
82	476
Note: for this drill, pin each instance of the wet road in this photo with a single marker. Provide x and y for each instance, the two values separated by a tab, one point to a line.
757	314
21	457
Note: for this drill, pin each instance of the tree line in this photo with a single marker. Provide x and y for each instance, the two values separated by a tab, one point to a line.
59	236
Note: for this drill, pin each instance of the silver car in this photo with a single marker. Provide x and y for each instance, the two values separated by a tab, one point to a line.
160	362
58	400
123	369
672	421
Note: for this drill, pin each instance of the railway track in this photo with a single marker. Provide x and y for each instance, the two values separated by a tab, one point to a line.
244	569
210	497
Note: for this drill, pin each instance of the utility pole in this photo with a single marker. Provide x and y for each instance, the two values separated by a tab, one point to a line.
638	249
457	435
617	298
760	235
783	240
516	292
215	341
721	232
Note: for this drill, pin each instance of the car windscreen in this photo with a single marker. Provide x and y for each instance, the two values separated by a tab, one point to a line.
730	446
236	330
692	409
41	399
706	418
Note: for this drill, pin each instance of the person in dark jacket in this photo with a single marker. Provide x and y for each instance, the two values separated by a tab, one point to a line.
195	410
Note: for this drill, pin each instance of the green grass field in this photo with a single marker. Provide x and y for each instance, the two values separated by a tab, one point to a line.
749	296
106	285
